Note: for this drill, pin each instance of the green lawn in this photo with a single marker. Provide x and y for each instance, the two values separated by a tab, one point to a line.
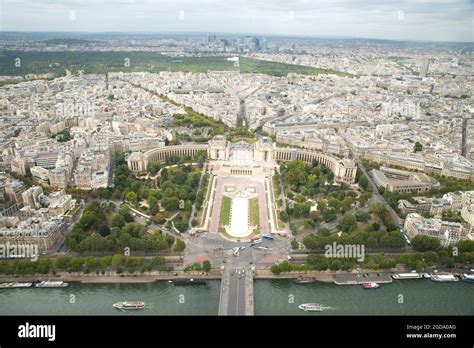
225	211
102	62
205	192
254	212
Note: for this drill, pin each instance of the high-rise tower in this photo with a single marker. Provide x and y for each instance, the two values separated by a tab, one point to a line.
424	68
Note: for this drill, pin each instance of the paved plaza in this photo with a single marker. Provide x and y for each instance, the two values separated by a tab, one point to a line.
240	184
239	218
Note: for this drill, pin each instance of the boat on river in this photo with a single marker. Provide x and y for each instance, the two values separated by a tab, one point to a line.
310	307
303	280
129	305
184	282
52	284
15	285
468	277
371	285
411	275
444	277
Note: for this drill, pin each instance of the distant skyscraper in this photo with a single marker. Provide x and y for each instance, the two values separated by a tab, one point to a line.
211	38
424	68
248	42
264	44
106	80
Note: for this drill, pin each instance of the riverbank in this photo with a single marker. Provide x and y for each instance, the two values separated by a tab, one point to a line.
113	277
336	277
323	277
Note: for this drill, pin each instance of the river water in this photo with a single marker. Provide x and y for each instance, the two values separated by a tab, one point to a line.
272	297
402	297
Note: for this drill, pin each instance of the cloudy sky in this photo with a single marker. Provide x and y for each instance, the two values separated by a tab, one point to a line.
434	20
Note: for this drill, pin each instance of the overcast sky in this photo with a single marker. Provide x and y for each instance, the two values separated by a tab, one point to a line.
434	20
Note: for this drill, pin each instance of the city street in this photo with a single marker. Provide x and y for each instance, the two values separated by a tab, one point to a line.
377	197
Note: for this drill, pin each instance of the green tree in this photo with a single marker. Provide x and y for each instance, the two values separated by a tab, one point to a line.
118	221
118	260
334	203
153	168
375	226
275	269
425	243
89	219
104	230
418	147
105	262
362	216
294	244
335	265
169	239
322	204
179	177
170	203
346	203
160	218
206	266
365	197
348	223
180	225
466	246
44	265
179	246
329	215
188	205
363	182
283	216
296	173
376	208
324	231
131	197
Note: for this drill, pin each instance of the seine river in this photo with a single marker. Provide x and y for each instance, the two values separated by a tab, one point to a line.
272	297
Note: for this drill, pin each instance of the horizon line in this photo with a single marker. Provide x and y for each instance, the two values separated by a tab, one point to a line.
335	37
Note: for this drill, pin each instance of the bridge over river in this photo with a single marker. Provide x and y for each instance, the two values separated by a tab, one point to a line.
236	296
